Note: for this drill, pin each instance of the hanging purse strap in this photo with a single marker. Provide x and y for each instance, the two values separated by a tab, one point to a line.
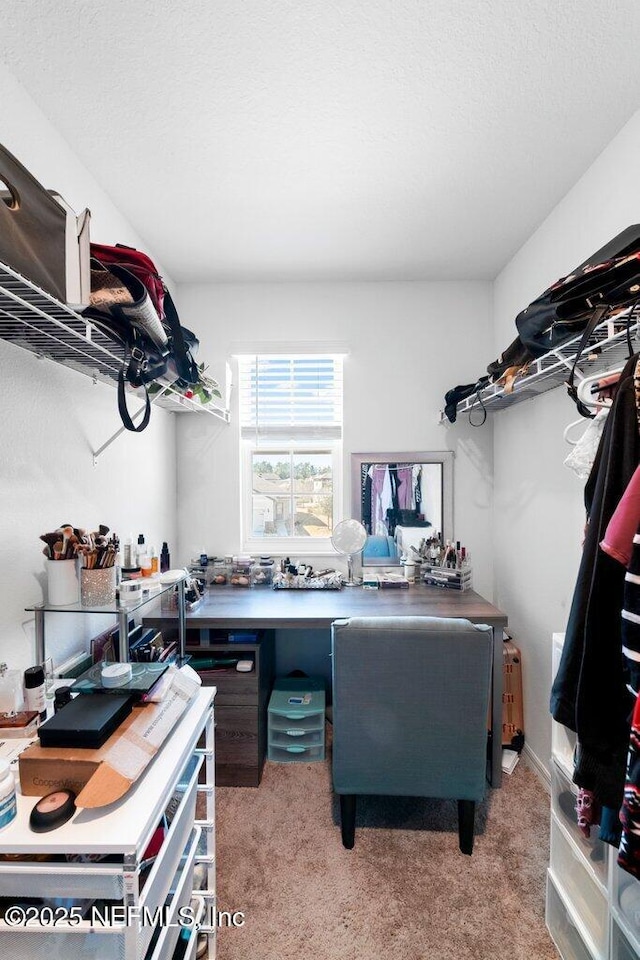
183	364
123	375
596	317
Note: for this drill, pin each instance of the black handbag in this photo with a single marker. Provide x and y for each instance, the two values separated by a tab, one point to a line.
566	308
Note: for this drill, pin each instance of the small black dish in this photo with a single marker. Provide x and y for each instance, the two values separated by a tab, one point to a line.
52	811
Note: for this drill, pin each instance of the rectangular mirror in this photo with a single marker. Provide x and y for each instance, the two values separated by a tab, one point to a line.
401	498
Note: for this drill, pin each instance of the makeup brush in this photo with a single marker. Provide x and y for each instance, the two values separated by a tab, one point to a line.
49	539
103	530
72	544
57	550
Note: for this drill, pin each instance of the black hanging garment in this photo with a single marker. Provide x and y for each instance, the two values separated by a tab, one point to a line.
589	693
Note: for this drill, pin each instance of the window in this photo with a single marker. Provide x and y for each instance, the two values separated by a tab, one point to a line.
291	433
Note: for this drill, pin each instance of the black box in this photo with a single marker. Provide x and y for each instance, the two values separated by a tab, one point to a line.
87	721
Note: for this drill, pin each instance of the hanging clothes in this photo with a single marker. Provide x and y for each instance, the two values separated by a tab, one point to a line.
589	693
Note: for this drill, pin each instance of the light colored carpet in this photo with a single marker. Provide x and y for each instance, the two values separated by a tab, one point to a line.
404	892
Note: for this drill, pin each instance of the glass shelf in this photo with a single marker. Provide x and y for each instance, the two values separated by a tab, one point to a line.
122	611
114	608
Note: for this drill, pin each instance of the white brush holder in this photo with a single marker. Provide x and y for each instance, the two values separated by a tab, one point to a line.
63	586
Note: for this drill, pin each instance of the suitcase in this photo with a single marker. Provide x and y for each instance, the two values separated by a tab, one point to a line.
512	702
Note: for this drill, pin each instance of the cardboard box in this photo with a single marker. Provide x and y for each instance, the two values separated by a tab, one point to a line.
102	776
44	769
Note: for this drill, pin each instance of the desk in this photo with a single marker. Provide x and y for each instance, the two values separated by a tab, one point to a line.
255	608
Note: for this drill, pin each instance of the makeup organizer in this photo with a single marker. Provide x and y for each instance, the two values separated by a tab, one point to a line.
169	788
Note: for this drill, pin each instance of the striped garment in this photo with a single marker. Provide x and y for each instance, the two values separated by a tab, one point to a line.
629	852
631	619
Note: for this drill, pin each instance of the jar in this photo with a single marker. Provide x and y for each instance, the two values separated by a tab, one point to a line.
7	794
130	591
130	573
262	573
220	572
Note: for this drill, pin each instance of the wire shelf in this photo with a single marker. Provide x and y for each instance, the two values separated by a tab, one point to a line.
606	348
34	320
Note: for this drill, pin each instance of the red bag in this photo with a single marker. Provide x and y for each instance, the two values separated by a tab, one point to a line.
139	264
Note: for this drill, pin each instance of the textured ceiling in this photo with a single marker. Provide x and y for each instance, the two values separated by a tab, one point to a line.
331	139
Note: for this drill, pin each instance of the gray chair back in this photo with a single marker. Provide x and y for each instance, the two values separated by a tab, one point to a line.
410	706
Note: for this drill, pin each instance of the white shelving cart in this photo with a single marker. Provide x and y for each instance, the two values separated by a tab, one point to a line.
121	832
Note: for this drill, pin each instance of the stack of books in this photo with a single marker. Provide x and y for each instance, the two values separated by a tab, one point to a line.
452	578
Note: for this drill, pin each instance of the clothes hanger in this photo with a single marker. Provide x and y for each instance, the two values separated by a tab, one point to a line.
590	397
566	436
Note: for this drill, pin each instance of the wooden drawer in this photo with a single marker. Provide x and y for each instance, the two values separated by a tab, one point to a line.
237	735
234	689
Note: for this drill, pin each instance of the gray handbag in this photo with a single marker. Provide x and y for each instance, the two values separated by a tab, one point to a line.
41	237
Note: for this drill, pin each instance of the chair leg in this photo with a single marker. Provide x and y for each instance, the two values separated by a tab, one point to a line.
466	816
348	819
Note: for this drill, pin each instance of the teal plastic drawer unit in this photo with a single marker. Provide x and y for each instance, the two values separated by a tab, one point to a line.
296	720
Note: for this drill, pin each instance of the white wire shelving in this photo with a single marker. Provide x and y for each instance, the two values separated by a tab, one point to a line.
34	320
606	348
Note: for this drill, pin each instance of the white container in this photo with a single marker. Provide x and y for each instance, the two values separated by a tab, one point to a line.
63	586
130	591
564	929
563	798
581	887
625	895
7	794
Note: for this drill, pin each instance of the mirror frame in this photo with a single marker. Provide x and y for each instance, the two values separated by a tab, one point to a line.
444	457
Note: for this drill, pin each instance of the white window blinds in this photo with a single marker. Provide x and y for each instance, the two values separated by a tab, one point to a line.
290	398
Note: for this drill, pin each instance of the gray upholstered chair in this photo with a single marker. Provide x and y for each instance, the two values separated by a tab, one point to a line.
410	708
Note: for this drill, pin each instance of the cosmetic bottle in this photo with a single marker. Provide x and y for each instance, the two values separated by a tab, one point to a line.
62	698
141	550
8	807
155	562
34	693
127	560
165	559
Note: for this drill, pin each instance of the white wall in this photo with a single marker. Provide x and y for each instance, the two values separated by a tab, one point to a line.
539	514
52	418
409	343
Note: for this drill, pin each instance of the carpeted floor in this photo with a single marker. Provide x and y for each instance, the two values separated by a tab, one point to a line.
404	892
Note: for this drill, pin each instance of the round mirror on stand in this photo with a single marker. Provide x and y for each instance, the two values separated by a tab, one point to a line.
347	539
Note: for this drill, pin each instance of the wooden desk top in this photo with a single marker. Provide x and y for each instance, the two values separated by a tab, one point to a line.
263	607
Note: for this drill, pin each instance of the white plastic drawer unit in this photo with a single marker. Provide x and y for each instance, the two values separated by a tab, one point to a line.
563	800
563	928
625	896
563	740
580	886
621	948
